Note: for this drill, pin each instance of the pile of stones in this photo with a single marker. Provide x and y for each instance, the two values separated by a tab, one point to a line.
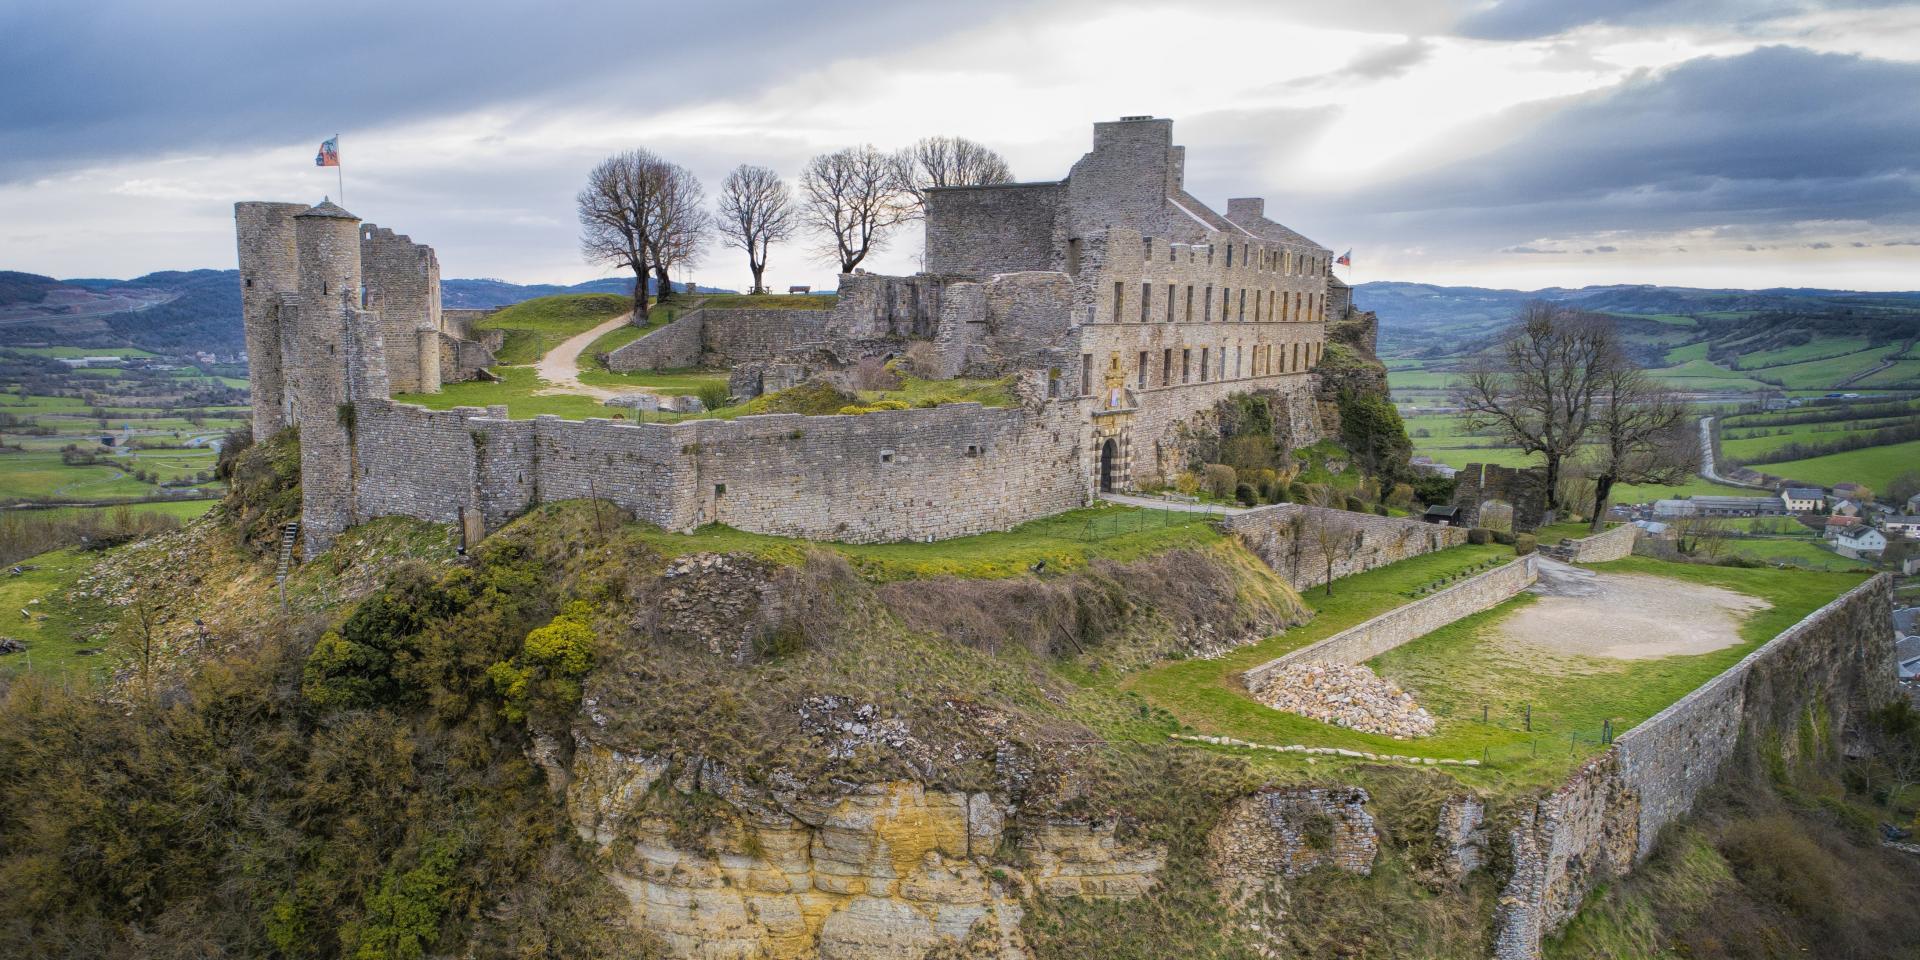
1345	696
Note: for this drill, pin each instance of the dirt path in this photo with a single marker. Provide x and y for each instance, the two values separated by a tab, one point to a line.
560	368
1625	616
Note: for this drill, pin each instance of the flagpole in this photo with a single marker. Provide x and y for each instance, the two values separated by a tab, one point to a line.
339	171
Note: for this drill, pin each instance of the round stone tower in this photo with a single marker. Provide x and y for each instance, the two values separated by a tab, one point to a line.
269	276
319	361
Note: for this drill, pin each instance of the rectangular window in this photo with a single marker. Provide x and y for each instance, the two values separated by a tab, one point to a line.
1166	366
1073	257
1189	303
1086	374
1229	256
1203	363
1170	303
1296	356
1206	305
1119	298
1226	304
1140	381
1146	249
1239	353
1186	365
1243	304
1146	302
1256	306
1223	362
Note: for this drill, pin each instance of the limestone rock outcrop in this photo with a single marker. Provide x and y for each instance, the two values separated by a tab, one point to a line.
1280	833
722	870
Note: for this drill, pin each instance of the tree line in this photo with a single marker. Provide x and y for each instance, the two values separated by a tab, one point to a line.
1560	383
644	213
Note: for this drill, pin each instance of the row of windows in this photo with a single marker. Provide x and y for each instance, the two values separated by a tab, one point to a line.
1267	359
1273	261
1267	305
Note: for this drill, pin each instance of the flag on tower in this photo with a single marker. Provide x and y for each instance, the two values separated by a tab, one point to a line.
329	155
1346	259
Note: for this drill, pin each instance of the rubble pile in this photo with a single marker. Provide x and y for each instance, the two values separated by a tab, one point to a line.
1345	696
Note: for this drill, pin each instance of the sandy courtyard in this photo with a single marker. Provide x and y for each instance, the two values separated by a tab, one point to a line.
1625	616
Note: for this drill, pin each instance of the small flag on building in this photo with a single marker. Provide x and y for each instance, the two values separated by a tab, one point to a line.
1345	260
329	155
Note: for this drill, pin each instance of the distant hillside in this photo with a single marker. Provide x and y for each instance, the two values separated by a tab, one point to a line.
178	311
1707	340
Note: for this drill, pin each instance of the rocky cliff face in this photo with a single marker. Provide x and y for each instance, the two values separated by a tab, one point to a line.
719	869
1349	364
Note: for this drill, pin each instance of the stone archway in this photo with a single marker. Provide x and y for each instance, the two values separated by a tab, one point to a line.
1109	457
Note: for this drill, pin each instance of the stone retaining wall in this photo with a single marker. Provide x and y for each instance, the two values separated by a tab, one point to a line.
1601	547
1358	644
1833	665
917	474
674	346
1288	537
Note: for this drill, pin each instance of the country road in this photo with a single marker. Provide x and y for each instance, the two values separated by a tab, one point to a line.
1707	469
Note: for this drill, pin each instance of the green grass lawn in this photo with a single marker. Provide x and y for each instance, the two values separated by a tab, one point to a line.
669	382
182	509
1065	541
1905	372
72	352
1815	374
619	337
816	301
536	326
41	475
918	392
1448	444
517	390
1874	466
1808	552
1454	671
53	631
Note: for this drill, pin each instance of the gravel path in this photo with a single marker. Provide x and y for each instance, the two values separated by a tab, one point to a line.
1177	506
560	368
1626	616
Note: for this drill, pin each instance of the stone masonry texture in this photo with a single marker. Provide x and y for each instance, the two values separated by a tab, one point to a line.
1287	536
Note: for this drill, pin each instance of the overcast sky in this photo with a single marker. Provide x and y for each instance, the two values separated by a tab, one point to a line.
1518	143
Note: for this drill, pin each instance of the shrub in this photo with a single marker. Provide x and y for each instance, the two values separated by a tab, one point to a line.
545	676
1296	492
1187	482
1525	543
1380	509
713	396
1479	535
1356	505
1245	494
1220	479
1504	537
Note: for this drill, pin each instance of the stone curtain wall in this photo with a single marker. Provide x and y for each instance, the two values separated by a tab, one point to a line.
402	283
1606	819
673	346
1601	547
1523	487
1363	642
917	474
1285	537
981	231
735	336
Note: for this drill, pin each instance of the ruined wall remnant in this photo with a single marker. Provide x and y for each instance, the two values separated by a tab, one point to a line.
1601	547
1280	833
401	282
1523	487
1287	537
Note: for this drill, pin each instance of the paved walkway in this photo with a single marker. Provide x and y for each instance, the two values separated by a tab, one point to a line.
1178	506
1706	459
560	368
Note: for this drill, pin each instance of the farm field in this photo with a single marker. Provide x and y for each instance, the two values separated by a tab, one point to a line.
1446	442
1874	466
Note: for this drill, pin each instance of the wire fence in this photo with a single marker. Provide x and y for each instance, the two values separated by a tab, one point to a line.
1539	734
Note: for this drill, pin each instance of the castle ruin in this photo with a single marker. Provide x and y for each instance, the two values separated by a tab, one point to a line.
1123	307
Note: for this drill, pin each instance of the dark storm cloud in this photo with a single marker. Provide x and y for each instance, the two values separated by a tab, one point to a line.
1778	134
82	82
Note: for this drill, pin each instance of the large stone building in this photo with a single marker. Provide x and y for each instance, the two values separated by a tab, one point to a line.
1124	308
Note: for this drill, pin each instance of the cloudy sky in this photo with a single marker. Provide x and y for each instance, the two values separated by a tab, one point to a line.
1519	143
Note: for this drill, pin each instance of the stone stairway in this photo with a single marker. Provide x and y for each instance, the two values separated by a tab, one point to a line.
289	532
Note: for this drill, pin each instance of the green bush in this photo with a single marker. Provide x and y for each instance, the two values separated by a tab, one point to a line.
1245	494
544	677
1297	492
713	396
1479	535
1504	537
1525	543
1356	505
1220	479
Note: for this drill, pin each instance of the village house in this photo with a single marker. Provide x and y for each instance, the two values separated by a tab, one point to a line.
1804	499
1860	543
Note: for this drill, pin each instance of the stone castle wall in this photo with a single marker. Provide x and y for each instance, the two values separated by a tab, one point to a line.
673	346
269	271
981	231
1835	664
1601	547
1363	642
402	284
942	472
1285	536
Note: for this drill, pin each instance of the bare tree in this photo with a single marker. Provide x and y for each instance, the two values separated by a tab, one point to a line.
1537	387
1643	430
756	210
681	224
854	199
947	162
617	217
1336	542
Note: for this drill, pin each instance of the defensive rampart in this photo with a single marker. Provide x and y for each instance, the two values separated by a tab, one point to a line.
915	474
1810	679
1363	642
1601	547
1297	540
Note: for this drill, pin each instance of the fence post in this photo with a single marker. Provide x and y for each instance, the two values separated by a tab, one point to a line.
1528	719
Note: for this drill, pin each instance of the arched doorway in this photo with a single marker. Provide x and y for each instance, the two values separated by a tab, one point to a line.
1109	452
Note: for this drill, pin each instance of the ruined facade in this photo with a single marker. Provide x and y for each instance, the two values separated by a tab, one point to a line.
1122	306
